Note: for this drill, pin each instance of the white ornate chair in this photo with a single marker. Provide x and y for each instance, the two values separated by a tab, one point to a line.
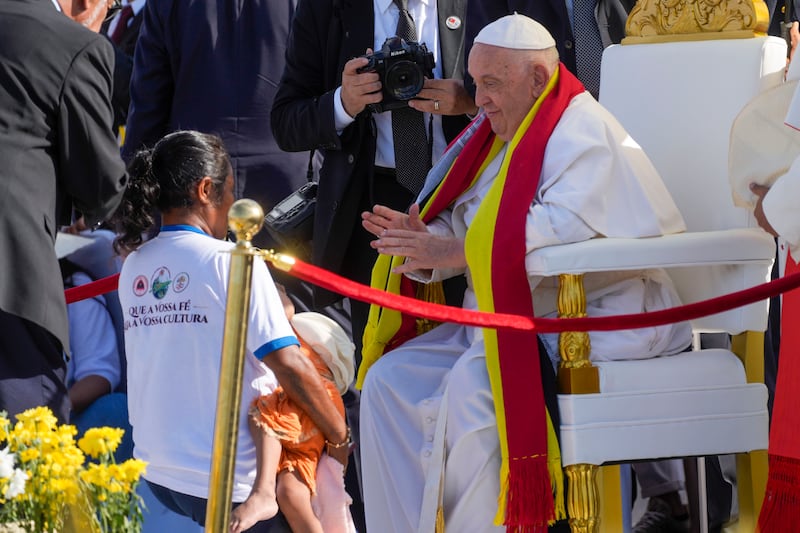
678	101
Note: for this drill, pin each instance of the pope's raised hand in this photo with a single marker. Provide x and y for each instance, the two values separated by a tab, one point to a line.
382	218
407	236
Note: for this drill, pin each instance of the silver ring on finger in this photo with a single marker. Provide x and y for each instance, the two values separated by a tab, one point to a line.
436	105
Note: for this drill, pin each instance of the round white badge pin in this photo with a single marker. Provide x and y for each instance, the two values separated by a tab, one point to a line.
453	22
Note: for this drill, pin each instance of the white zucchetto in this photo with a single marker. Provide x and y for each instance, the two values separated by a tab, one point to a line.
517	32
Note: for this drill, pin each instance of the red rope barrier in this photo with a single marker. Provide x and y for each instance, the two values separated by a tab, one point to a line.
90	290
444	313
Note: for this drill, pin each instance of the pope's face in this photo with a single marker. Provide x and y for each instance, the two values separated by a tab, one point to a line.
504	87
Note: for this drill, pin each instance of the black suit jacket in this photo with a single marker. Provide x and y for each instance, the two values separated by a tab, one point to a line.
214	66
552	14
325	35
56	147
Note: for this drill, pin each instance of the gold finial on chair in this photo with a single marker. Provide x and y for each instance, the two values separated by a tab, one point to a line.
245	219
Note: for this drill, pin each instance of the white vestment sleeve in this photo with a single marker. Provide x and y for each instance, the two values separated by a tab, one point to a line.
780	206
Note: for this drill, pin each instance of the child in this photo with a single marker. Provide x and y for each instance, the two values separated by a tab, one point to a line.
327	346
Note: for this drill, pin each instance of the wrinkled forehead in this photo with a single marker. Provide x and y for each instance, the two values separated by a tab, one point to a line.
495	61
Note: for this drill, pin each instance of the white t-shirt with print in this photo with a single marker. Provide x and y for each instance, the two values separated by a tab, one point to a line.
173	295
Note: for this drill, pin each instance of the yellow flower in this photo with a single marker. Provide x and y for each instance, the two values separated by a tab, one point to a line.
5	426
97	475
66	487
100	441
134	468
29	454
38	419
56	476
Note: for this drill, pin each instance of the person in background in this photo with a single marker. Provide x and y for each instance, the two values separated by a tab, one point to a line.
214	67
94	371
58	152
123	31
324	102
776	213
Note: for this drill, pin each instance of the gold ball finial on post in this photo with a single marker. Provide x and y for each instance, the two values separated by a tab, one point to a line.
245	219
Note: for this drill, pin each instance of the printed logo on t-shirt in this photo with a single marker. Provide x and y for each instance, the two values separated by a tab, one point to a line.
160	282
181	282
140	285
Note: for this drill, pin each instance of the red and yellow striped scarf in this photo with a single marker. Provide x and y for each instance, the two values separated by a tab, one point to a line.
528	479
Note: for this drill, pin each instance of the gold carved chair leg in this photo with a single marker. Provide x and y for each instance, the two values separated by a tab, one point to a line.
583	502
576	375
751	468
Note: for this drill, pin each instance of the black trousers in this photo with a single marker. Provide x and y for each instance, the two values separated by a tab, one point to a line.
32	368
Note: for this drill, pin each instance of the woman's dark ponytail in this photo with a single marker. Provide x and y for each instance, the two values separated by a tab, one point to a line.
164	178
136	214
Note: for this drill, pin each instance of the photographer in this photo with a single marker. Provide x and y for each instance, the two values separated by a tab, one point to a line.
322	103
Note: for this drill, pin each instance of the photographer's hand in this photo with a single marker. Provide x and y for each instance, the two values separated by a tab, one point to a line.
444	97
359	89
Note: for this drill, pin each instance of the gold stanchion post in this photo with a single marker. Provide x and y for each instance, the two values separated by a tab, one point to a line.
245	219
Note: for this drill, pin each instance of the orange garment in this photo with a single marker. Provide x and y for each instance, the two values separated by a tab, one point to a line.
283	419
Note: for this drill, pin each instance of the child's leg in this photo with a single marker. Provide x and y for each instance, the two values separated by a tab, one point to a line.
294	498
261	504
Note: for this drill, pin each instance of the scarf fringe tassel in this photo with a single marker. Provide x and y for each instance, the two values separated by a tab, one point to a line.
527	511
781	509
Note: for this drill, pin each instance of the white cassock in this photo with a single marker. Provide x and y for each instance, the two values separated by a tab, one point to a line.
431	399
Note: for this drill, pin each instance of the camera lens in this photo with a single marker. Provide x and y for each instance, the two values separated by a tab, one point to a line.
404	80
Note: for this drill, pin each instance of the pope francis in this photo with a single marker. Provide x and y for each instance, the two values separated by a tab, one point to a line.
458	423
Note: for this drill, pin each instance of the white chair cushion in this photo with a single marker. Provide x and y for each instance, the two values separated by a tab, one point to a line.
703	368
615	427
693	403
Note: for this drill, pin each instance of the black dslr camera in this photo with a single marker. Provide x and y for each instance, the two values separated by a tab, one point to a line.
402	67
291	222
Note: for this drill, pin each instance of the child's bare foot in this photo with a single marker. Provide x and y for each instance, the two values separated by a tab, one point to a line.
257	507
